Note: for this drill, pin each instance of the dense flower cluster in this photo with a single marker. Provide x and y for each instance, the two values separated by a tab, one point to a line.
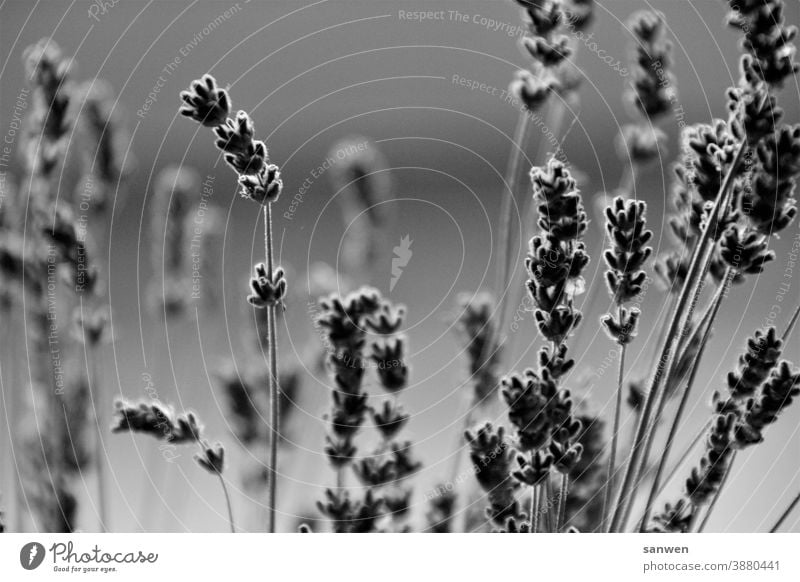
759	389
208	104
346	323
541	412
548	49
766	37
557	255
651	93
628	253
653	85
476	324
49	121
770	204
491	458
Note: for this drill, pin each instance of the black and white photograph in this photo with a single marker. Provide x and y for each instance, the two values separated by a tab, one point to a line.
399	267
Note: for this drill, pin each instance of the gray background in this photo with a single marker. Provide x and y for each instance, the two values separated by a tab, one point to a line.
311	74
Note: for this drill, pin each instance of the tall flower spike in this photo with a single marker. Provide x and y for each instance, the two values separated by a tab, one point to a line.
557	256
744	250
528	398
105	155
49	121
491	458
766	37
752	108
653	85
476	325
706	479
770	204
628	236
776	394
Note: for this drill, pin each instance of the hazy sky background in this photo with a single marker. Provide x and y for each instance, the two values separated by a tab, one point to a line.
311	74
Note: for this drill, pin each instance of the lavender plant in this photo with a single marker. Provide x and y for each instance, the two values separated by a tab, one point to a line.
162	423
260	182
717	165
628	236
546	470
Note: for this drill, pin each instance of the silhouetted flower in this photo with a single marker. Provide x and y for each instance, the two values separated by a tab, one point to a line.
205	102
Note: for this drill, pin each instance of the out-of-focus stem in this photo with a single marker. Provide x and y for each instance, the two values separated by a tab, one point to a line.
272	336
99	400
505	263
785	514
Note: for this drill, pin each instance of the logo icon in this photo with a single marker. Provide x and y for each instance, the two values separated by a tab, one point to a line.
402	254
31	555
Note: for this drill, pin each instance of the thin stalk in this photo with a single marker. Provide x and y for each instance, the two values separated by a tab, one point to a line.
673	431
640	469
13	409
550	519
273	377
455	468
506	206
612	461
99	452
717	494
678	464
683	344
686	302
562	502
791	325
532	509
535	502
227	501
785	514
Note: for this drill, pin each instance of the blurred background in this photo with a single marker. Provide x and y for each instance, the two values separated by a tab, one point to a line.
311	75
